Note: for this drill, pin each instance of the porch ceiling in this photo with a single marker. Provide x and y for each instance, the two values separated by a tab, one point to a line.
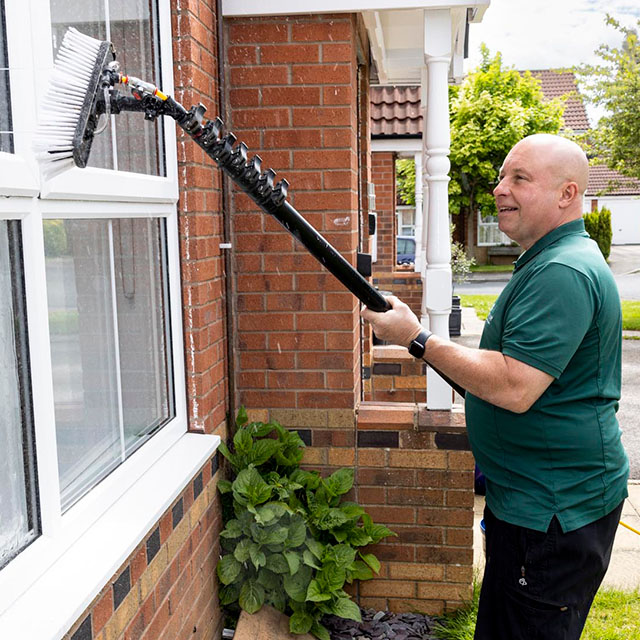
396	28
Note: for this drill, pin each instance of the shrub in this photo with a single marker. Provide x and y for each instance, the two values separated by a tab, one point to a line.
598	226
291	541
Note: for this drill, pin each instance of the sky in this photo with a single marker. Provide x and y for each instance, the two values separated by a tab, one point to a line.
545	34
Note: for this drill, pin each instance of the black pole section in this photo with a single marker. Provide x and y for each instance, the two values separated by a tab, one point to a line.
259	185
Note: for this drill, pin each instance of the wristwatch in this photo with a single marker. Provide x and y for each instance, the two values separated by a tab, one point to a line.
416	348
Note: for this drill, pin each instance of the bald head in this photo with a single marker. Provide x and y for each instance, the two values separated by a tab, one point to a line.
542	181
564	158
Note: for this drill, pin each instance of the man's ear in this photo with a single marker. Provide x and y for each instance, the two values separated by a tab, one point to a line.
568	195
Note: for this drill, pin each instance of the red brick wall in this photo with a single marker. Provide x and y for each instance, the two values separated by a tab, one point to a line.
201	221
383	175
293	98
414	473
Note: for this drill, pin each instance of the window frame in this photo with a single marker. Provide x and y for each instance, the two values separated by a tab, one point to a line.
92	194
491	225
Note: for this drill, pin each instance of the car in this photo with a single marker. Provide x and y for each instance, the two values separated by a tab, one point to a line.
405	250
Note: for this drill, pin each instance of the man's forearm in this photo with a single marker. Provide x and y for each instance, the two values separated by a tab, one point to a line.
489	375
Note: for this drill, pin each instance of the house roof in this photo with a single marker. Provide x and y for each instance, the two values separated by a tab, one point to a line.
604	181
395	110
557	84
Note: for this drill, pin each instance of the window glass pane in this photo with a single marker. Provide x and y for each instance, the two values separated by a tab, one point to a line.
6	135
19	523
133	144
108	303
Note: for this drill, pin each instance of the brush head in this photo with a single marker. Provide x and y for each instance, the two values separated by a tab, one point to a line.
68	116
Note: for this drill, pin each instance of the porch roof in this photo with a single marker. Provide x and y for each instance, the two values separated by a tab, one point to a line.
396	28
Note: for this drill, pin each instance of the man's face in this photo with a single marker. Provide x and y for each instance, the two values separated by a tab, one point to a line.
527	195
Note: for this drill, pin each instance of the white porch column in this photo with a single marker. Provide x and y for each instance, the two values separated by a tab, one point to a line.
419	262
436	300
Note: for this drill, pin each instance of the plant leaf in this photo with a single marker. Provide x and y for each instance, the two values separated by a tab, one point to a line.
268	579
242	417
258	557
242	549
297	532
251	596
379	531
310	560
229	593
342	554
250	486
316	547
331	519
243	442
360	571
319	631
262	450
315	593
277	563
372	561
300	622
228	569
346	608
296	586
261	429
224	486
331	577
293	560
232	530
340	482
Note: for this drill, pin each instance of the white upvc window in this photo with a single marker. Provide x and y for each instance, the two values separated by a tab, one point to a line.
489	235
91	350
406	215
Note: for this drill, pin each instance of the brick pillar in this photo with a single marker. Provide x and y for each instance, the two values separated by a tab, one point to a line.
383	175
293	101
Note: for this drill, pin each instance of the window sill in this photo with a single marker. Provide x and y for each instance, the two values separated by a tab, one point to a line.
59	597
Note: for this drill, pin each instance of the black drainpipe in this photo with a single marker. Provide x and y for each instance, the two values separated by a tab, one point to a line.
225	200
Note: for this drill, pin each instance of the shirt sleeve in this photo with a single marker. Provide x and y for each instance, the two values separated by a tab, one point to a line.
549	317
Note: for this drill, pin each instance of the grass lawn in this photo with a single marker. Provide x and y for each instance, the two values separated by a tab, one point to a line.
615	615
631	315
495	268
484	302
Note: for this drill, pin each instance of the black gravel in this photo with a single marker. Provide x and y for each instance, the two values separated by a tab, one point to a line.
381	625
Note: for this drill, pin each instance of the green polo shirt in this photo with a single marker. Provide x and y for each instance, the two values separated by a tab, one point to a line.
559	313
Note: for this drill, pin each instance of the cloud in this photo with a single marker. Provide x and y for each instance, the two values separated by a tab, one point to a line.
547	33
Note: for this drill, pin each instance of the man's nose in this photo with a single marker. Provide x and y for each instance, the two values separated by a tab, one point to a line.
499	189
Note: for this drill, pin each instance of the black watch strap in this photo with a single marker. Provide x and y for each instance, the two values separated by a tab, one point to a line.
416	348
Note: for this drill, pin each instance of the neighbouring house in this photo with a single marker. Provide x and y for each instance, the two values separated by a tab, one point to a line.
397	126
145	299
621	195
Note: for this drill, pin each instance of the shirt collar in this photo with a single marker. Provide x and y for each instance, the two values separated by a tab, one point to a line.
569	228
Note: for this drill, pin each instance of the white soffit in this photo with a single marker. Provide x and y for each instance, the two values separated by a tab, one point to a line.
396	28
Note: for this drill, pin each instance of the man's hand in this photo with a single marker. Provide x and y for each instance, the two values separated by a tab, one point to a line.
399	325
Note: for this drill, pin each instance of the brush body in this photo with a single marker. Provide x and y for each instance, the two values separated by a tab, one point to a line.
68	117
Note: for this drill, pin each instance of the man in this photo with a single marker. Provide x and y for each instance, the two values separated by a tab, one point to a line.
542	393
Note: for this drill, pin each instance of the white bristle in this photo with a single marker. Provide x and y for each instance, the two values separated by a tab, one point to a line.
61	106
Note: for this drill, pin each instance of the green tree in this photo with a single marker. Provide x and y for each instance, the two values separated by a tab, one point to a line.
490	111
598	226
614	84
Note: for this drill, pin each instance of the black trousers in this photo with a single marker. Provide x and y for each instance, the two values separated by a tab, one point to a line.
540	586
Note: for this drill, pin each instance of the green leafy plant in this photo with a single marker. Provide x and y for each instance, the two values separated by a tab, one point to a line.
598	226
292	542
461	263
